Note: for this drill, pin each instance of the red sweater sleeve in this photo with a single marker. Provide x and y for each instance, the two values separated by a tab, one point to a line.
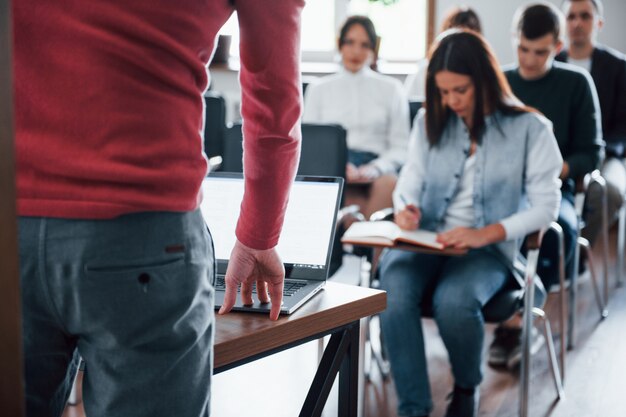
271	109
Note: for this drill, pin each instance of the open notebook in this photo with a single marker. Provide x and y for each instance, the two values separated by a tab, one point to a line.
305	243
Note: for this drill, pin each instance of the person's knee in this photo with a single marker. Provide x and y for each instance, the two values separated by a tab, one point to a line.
397	277
385	182
393	263
454	307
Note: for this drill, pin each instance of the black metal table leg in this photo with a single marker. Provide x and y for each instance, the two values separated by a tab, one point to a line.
340	356
349	376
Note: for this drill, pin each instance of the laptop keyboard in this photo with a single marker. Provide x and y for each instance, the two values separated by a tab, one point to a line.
291	287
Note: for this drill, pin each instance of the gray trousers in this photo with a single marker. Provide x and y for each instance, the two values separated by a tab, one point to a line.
134	297
614	173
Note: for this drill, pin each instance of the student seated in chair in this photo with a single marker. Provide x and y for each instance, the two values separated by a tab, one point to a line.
567	97
372	108
608	70
482	170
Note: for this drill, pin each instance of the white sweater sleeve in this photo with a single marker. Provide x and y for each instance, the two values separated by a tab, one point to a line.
312	105
542	184
397	133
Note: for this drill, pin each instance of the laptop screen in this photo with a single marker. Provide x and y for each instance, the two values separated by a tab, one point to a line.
308	230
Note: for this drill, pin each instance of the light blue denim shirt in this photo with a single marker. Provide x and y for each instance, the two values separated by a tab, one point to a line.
516	179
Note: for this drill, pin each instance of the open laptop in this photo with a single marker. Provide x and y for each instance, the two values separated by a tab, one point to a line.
305	243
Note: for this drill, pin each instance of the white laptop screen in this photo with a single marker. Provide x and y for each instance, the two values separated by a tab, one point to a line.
308	230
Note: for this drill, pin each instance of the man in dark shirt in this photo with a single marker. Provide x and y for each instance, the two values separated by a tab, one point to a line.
566	96
608	70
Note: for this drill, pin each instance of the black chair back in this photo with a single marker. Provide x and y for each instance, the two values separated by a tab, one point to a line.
214	123
324	150
232	150
414	107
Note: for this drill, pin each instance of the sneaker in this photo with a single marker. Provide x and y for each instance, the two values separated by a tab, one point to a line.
505	340
536	342
464	402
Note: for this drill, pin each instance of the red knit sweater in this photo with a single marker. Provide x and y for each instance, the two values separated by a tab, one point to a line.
108	100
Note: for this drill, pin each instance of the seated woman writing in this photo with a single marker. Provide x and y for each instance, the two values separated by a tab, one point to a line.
482	171
374	111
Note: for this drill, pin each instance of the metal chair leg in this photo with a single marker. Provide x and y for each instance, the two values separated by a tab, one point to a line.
595	178
605	243
573	293
378	353
584	243
621	237
527	323
373	343
529	312
556	228
557	376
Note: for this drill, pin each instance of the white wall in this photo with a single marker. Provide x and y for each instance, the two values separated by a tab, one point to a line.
496	17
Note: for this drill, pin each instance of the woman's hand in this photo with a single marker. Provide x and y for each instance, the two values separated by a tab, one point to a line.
352	172
408	218
363	173
470	238
369	172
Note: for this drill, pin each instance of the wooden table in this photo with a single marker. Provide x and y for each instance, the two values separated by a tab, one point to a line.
241	338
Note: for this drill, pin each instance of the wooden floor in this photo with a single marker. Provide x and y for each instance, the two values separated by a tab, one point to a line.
595	371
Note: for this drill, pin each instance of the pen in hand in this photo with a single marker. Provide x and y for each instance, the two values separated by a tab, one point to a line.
409	217
407	205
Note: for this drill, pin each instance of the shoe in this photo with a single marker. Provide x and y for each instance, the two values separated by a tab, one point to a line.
464	402
536	342
505	340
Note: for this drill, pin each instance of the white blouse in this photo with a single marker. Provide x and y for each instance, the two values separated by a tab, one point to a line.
373	108
460	212
415	84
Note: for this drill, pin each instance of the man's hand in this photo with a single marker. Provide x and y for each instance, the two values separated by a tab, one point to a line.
248	265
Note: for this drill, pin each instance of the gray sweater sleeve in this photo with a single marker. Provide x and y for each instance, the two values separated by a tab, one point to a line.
586	148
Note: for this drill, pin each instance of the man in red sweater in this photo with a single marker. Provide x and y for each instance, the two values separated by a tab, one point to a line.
116	262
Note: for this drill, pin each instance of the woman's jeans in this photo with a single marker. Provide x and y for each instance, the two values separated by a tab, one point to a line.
456	288
134	296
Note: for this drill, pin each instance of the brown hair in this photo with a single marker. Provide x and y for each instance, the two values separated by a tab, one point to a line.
467	53
538	20
367	24
461	17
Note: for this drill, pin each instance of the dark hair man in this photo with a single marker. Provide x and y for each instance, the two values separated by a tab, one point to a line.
565	95
608	70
